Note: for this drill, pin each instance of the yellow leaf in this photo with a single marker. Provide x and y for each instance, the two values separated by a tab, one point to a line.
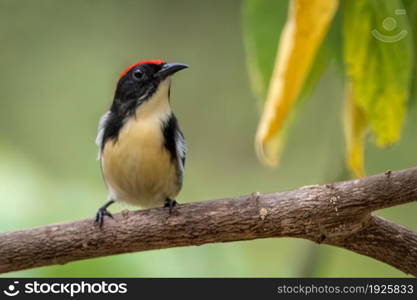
302	35
355	127
378	64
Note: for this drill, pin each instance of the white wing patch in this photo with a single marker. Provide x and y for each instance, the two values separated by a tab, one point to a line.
100	133
181	148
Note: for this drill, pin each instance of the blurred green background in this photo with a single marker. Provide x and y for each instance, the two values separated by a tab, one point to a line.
59	64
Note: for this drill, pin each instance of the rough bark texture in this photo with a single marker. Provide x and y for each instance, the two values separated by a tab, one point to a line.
338	214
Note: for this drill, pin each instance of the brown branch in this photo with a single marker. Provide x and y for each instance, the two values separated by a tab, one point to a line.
336	214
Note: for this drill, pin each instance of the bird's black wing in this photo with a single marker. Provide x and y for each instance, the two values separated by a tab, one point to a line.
108	129
174	142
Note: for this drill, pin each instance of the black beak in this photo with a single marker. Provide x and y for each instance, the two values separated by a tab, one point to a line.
169	69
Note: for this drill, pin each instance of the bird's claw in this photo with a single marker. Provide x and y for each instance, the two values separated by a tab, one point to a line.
170	204
101	213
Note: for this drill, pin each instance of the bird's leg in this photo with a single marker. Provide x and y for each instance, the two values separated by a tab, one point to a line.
170	203
102	212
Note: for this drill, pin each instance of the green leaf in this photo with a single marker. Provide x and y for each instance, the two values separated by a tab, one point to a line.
378	57
263	22
355	127
411	10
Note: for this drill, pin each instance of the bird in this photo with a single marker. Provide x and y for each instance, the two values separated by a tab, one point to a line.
141	147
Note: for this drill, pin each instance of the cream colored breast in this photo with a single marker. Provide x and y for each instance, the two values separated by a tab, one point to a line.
137	167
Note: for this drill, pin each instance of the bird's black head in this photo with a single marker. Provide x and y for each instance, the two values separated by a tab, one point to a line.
139	81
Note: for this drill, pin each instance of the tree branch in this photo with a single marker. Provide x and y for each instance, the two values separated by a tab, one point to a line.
337	214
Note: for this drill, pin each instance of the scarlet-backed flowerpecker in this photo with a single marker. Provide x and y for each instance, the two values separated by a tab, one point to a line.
141	147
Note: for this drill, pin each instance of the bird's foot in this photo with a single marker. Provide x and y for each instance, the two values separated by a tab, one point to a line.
101	213
170	204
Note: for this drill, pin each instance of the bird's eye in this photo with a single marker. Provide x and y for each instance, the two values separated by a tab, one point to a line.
138	74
